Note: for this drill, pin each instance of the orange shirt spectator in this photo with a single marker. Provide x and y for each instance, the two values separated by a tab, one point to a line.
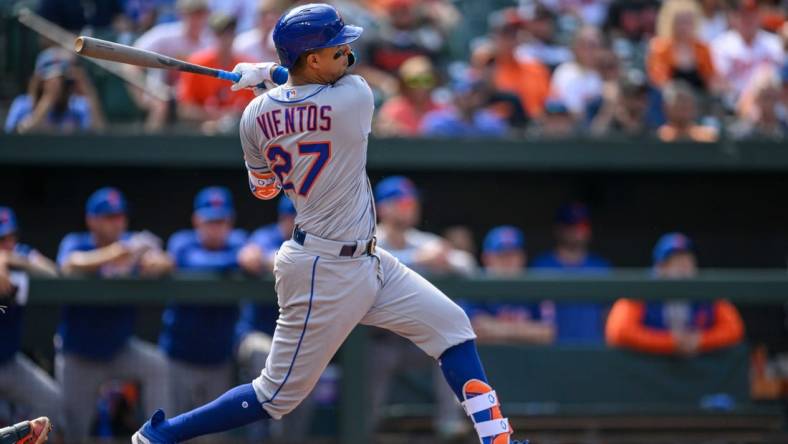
528	78
674	327
678	52
210	92
662	66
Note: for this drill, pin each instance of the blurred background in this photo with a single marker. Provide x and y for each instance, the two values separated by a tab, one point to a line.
600	184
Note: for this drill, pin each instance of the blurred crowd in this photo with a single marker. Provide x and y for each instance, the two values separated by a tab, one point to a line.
696	70
203	349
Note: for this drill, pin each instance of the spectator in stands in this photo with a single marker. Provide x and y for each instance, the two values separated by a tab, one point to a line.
60	99
208	101
761	114
677	52
466	117
623	107
403	114
22	382
503	103
576	322
739	52
773	15
504	255
399	210
556	123
520	74
95	344
714	21
177	39
541	39
577	83
257	44
680	105
674	327
198	339
405	31
629	28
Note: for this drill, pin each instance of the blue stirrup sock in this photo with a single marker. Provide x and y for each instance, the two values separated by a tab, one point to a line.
235	408
460	364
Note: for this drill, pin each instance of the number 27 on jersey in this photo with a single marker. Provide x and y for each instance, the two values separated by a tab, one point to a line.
281	163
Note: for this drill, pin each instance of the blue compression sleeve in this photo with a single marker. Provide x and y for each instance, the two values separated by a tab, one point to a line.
236	408
460	364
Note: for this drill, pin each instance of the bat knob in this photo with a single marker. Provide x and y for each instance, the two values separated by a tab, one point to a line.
280	75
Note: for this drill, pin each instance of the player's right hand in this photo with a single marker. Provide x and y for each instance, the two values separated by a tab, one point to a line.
253	75
141	242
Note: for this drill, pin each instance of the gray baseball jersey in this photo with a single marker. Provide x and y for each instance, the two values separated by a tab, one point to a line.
316	134
314	138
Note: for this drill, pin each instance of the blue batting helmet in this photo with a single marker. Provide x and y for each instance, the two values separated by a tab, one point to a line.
309	27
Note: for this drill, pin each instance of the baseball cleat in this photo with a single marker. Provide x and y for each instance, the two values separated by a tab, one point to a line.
481	404
148	434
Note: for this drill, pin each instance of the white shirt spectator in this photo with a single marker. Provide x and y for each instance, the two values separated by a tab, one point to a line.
575	86
712	27
250	45
736	62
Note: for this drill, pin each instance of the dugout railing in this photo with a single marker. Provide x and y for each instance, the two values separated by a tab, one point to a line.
742	421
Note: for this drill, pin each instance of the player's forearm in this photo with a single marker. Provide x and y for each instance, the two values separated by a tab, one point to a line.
532	332
90	261
36	264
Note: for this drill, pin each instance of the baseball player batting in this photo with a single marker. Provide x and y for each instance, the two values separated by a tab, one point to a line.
309	138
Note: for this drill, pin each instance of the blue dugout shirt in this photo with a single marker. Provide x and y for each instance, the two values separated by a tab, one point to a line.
94	332
577	322
202	335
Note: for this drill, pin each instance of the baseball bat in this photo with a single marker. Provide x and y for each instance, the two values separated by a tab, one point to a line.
116	52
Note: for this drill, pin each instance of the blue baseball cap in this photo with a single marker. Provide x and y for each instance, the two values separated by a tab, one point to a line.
503	239
106	201
7	221
573	214
214	203
394	188
670	244
285	207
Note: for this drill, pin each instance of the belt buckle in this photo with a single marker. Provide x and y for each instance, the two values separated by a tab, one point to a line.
373	244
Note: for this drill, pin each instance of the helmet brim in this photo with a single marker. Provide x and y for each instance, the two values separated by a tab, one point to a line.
348	34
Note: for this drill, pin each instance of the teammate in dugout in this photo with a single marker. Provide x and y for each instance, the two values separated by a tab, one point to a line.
309	137
21	382
198	339
95	344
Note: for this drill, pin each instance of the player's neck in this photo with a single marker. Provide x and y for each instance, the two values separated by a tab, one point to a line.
305	77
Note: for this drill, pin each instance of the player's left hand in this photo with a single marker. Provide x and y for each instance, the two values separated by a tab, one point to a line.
253	75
